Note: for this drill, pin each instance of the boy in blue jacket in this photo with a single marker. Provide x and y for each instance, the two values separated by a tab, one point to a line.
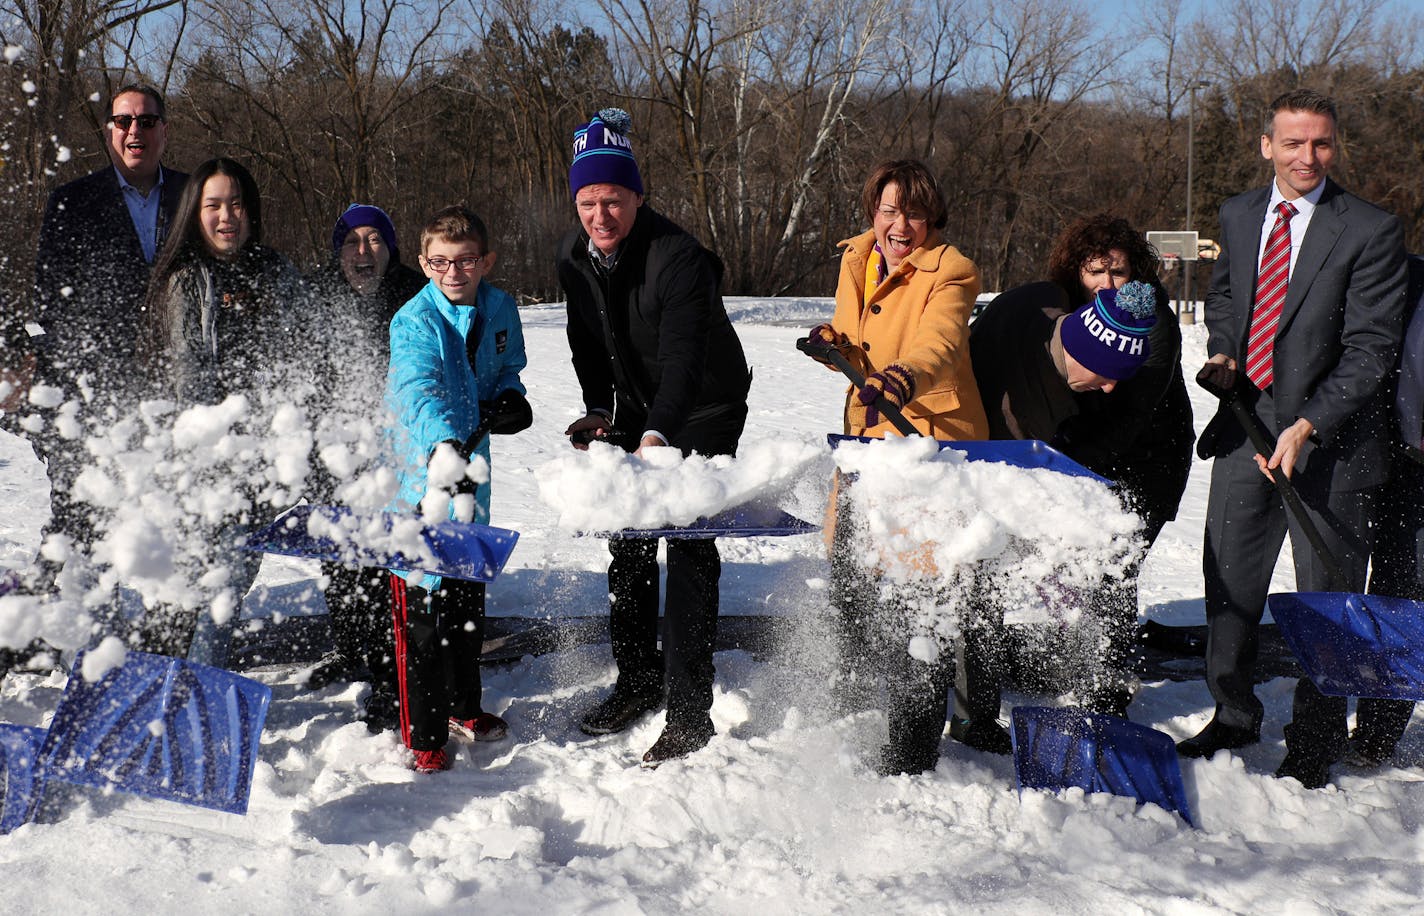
456	351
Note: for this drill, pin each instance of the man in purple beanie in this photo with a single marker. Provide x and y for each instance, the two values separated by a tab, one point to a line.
660	365
358	291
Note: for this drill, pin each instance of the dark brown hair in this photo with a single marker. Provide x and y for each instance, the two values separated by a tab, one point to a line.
918	190
455	224
141	89
1300	100
1093	237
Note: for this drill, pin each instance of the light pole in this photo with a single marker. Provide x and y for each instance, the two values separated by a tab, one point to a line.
1189	311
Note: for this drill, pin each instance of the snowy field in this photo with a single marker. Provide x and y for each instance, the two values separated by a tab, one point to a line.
780	814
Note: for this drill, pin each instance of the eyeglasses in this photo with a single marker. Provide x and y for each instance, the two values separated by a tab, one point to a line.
124	121
440	265
890	214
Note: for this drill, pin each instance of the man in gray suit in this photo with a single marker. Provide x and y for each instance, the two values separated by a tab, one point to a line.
1304	320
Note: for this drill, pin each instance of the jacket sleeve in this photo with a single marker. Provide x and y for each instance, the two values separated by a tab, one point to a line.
54	262
1372	325
418	394
850	300
687	288
185	369
1222	319
515	356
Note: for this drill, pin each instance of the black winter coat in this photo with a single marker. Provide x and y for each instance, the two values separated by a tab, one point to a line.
1139	435
651	340
89	247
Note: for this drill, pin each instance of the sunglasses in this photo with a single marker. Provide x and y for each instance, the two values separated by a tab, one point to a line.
125	121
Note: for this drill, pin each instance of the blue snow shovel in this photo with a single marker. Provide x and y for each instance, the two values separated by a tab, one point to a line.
162	728
1022	453
1067	747
460	550
752	520
1355	645
21	777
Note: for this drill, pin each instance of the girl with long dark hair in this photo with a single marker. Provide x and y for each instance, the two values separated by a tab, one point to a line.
221	311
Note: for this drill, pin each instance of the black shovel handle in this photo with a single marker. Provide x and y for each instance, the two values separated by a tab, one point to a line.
832	355
1265	445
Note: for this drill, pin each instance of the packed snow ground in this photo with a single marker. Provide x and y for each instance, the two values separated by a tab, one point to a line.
781	813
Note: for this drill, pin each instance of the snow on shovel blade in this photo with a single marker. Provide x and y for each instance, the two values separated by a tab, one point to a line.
1355	645
1019	453
1060	748
21	776
460	550
161	728
749	521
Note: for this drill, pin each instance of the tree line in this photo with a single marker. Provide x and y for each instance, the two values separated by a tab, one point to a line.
754	121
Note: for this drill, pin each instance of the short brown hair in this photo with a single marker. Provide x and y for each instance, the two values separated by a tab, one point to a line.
455	224
1093	237
1300	100
918	190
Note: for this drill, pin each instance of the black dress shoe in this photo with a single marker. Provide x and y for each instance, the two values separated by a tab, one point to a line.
676	741
1216	737
982	735
1312	770
622	708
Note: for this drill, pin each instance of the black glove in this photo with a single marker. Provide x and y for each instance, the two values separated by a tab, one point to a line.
507	414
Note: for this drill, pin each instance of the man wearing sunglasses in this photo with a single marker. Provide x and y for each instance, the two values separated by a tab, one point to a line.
100	236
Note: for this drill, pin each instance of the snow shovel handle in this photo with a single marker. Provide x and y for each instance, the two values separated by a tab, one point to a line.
1265	445
835	357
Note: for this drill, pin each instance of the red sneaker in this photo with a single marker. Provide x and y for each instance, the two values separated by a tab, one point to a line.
431	761
484	727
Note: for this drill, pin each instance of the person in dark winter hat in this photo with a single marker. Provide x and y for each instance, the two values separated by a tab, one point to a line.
1102	383
668	372
603	154
356	294
1110	336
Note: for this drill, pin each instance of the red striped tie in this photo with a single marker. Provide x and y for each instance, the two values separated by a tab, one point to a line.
1270	297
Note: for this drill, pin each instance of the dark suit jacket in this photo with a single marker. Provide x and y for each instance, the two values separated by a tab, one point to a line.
88	245
1338	337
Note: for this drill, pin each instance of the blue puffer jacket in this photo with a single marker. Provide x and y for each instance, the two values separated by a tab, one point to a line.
433	392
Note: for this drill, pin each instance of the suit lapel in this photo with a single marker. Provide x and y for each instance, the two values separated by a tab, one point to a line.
1326	224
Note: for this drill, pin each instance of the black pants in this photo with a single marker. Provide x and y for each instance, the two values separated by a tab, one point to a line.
1395	570
358	603
438	637
684	667
1246	524
873	635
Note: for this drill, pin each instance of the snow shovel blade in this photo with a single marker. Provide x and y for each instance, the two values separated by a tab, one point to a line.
752	520
1066	747
1355	645
1020	453
460	550
162	728
21	776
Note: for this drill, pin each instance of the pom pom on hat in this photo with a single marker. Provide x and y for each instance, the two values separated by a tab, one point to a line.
358	215
603	154
1109	336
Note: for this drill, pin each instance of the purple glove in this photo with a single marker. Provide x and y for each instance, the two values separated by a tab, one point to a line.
895	383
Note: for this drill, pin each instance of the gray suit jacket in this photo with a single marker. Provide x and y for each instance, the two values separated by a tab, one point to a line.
1338	337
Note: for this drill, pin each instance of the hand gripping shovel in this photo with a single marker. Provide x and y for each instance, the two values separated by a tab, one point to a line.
1265	445
833	355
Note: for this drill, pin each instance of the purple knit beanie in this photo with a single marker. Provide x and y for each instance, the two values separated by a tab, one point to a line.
1108	336
603	153
358	215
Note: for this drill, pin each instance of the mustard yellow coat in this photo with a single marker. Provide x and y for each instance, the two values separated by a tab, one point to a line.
918	317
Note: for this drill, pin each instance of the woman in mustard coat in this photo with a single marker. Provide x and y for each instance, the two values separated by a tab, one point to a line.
902	318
